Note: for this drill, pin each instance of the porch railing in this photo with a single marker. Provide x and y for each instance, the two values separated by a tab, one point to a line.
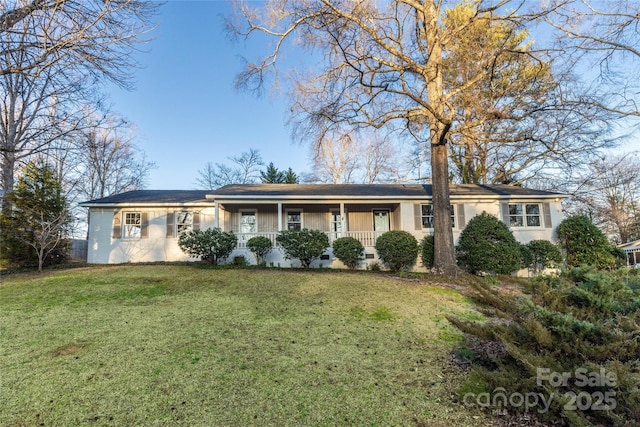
367	238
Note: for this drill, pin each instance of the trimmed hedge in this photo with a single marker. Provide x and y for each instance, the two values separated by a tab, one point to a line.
305	245
487	245
397	249
349	250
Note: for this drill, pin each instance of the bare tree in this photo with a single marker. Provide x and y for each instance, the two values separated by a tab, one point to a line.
245	169
34	113
335	159
609	193
606	34
346	158
382	66
53	55
82	36
108	161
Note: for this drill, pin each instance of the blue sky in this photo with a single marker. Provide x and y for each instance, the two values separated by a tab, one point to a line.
185	107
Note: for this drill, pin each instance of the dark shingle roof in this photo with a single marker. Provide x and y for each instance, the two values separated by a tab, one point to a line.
369	190
342	191
153	196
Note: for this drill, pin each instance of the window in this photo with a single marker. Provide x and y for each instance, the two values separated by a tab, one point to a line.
381	220
184	222
132	225
294	220
427	215
524	215
336	224
248	223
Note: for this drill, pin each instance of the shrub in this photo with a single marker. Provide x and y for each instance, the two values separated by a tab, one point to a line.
349	250
260	246
305	245
427	251
541	254
397	249
584	243
583	323
210	245
487	245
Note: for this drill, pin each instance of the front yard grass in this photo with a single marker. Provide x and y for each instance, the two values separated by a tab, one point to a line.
162	345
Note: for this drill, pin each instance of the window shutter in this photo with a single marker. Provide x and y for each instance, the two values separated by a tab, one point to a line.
117	225
417	216
170	224
505	213
196	220
462	222
546	210
144	225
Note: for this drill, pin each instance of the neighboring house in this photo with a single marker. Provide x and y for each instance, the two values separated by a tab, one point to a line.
143	226
632	249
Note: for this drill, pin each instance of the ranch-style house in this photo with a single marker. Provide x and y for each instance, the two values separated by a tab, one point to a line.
144	225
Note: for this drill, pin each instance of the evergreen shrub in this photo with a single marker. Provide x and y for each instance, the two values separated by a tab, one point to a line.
487	245
349	250
305	245
210	245
584	243
397	249
260	246
581	326
427	251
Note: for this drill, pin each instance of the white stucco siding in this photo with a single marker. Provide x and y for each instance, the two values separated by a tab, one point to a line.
156	246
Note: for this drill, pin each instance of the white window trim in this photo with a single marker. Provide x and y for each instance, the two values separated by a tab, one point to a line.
286	218
454	220
524	215
125	235
255	215
373	216
175	219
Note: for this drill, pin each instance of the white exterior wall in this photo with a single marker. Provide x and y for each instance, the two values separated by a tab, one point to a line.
492	207
104	249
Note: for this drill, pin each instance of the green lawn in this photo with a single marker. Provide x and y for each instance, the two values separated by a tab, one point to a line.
180	345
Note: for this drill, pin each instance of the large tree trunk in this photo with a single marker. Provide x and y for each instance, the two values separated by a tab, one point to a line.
444	260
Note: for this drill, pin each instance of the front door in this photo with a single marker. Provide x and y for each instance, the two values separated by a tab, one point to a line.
380	221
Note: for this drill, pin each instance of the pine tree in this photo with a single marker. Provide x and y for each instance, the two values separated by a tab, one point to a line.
291	177
272	175
37	223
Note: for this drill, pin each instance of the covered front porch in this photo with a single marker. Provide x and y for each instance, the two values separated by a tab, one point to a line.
362	221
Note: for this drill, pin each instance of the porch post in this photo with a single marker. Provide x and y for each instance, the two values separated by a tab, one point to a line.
216	218
343	222
279	216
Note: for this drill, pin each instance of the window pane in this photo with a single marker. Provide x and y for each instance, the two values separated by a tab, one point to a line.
516	221
294	220
336	222
533	209
533	221
427	210
427	222
184	221
293	217
515	209
248	222
132	228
